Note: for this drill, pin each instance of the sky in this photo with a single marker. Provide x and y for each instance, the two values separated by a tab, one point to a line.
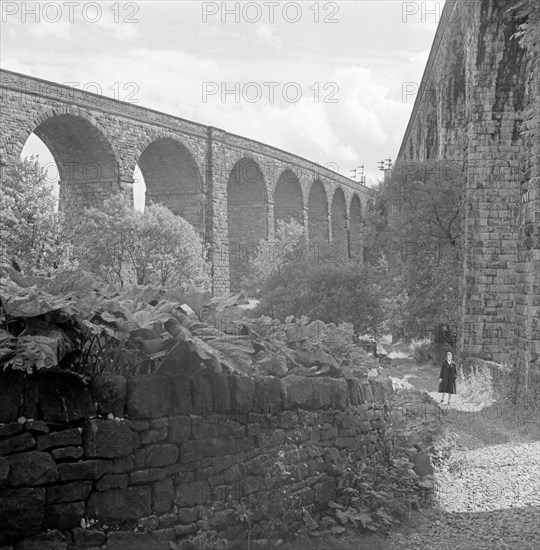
323	80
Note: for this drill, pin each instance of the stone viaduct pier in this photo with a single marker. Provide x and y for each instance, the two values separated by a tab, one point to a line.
478	105
230	188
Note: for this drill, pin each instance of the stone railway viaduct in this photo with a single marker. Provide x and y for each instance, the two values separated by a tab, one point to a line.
478	108
230	188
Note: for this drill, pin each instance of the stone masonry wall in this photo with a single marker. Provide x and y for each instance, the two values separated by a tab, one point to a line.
477	108
177	456
97	142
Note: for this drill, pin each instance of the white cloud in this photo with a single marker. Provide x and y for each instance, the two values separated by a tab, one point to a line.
60	29
267	35
120	30
164	63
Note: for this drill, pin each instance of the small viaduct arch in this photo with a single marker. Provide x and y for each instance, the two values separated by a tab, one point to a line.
233	190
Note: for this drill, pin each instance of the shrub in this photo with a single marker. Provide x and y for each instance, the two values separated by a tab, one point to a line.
31	231
123	246
337	294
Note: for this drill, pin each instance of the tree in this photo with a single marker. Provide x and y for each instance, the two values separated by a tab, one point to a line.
103	237
167	250
416	225
156	247
33	233
273	254
333	293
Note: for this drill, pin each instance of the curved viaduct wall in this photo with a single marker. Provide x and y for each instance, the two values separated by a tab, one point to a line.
231	189
479	106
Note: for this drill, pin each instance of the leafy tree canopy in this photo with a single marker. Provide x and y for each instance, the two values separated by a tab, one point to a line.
124	246
415	236
32	234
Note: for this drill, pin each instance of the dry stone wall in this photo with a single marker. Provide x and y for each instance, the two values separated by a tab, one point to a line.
177	456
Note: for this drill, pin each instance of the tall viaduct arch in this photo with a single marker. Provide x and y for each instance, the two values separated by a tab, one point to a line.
231	189
478	106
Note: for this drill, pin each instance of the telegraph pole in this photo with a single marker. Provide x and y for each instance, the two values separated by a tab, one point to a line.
385	166
359	172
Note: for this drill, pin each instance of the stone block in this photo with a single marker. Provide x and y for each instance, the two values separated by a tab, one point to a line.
179	429
17	443
21	513
109	391
32	468
367	391
168	520
161	455
202	400
4	471
51	540
297	392
12	428
139	459
180	394
267	395
340	393
106	439
88	538
112	481
125	464
136	439
148	396
355	391
11	396
191	494
188	515
153	436
157	540
201	448
288	420
205	427
64	438
242	390
159	423
63	516
69	492
36	427
119	505
162	496
64	398
139	425
221	397
150	523
147	476
87	469
382	388
67	453
322	393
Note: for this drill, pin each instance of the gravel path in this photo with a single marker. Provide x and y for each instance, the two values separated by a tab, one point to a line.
487	491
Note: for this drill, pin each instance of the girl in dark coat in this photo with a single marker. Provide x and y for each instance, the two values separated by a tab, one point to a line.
447	377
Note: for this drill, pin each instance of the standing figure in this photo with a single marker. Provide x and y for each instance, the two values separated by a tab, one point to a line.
447	377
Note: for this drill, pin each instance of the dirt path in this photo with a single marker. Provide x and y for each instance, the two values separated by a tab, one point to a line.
488	486
487	477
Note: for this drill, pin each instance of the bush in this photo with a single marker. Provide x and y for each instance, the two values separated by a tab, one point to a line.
123	246
32	234
425	351
332	293
476	383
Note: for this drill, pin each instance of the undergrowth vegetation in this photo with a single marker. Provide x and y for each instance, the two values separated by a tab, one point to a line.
71	321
